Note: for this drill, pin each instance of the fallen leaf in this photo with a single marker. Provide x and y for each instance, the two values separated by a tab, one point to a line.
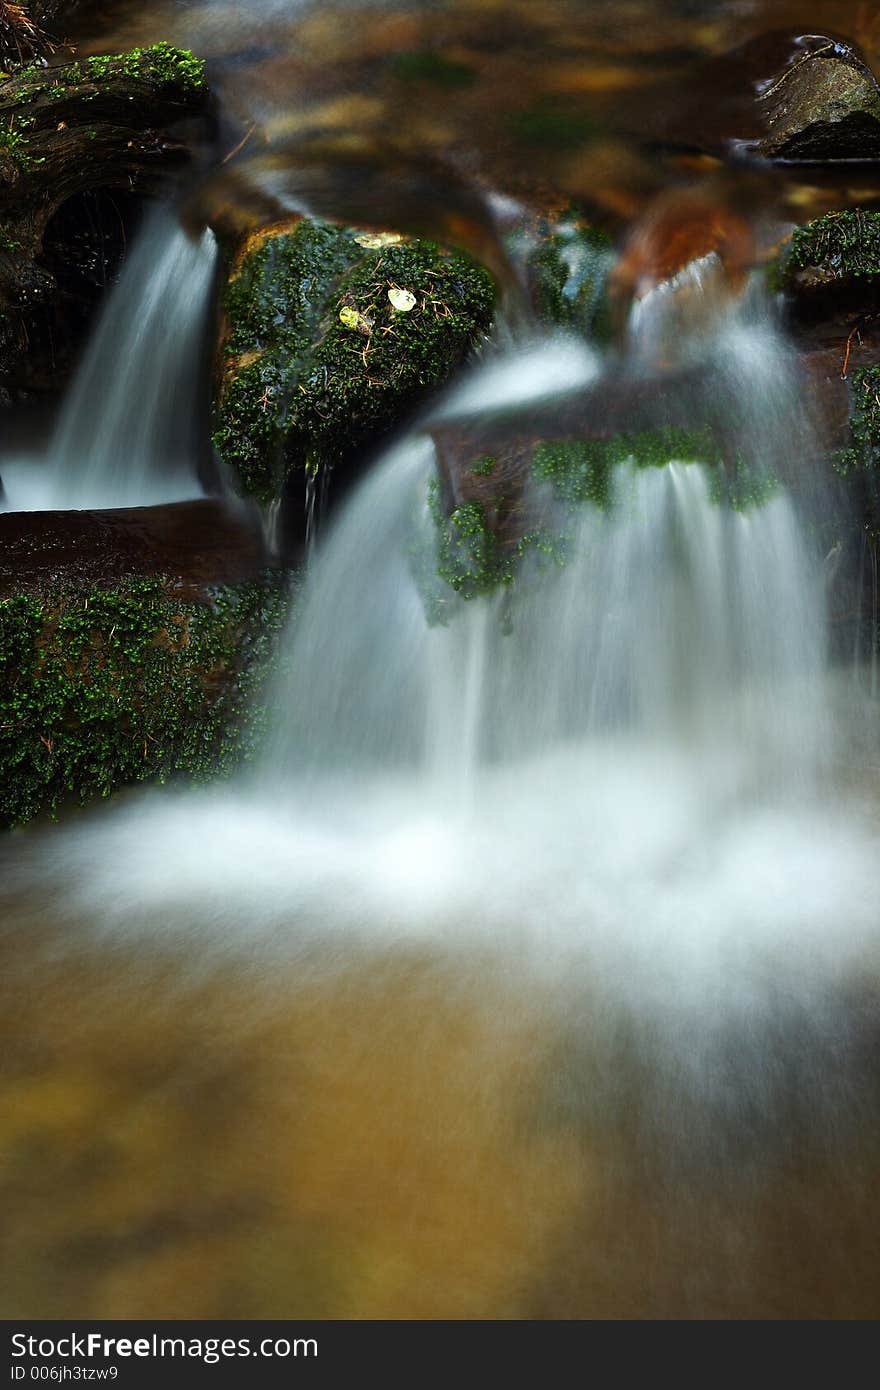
377	241
352	319
402	300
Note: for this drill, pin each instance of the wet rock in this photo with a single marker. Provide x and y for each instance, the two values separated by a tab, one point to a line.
194	545
823	106
829	273
332	338
132	647
510	490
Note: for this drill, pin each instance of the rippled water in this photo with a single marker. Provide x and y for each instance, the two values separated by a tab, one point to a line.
605	102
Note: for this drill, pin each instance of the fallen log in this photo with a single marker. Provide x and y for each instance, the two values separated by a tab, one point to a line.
100	123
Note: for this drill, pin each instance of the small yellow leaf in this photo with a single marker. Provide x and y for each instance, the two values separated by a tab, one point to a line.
377	241
350	317
402	300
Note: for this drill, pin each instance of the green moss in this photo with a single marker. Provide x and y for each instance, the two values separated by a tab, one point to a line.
468	558
15	144
7	242
100	66
569	272
580	469
172	67
863	453
356	387
484	467
122	685
741	486
469	553
840	245
305	391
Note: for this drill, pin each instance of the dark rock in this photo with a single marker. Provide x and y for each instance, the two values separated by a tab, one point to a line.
823	106
192	544
782	97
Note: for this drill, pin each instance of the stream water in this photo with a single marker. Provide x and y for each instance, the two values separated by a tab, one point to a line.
532	972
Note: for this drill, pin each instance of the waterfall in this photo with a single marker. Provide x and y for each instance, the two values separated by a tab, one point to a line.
129	430
677	618
621	769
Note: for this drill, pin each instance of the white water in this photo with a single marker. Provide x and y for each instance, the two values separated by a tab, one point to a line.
621	778
128	435
674	620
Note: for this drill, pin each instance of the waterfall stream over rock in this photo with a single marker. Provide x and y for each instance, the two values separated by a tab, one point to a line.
499	938
129	433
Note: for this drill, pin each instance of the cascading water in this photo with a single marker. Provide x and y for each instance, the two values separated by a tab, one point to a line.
675	617
129	434
606	794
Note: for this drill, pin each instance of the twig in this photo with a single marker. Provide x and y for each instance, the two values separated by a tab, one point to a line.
852	334
240	146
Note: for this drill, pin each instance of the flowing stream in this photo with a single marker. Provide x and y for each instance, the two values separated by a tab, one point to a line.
531	969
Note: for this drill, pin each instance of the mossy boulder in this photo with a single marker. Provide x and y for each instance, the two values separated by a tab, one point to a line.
136	682
318	362
829	272
839	249
133	647
522	502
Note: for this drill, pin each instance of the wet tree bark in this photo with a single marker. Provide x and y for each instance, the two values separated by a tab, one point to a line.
96	124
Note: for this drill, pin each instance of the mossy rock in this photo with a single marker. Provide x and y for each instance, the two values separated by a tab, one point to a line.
317	363
838	251
104	687
475	557
482	542
568	273
863	453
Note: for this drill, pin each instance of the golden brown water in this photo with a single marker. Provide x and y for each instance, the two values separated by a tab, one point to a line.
231	1146
399	1136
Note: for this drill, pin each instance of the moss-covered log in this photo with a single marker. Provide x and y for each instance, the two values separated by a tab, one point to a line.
104	122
